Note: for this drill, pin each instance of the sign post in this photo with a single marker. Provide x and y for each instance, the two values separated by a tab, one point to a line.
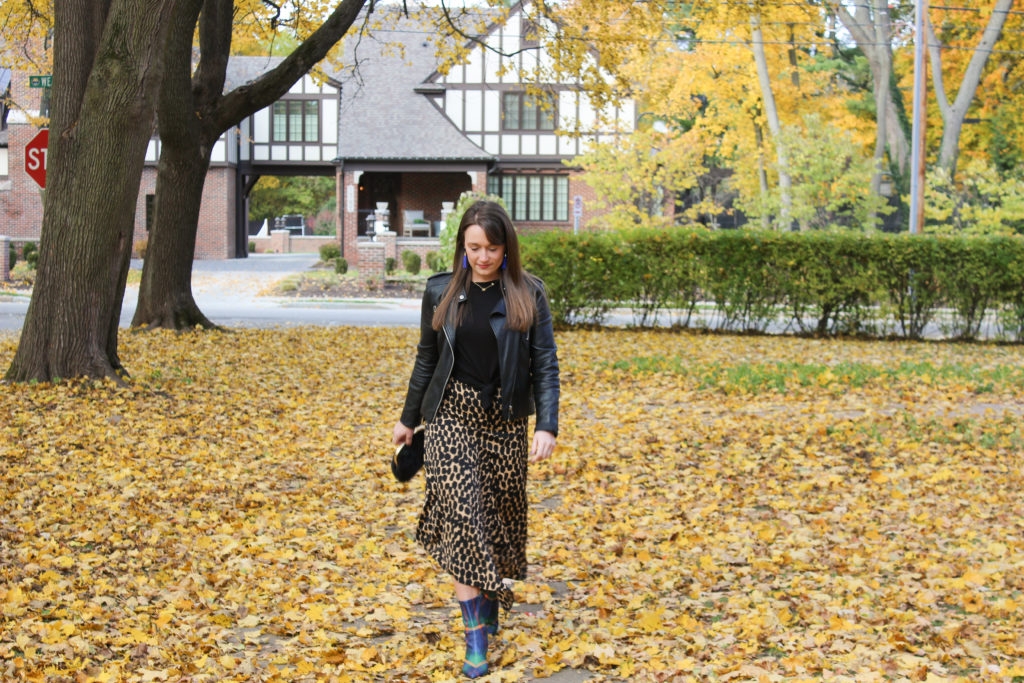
35	157
577	213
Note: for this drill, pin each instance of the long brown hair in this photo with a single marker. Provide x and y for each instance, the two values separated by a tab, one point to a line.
517	284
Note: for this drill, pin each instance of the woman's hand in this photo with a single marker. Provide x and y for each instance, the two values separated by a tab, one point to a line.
543	446
402	435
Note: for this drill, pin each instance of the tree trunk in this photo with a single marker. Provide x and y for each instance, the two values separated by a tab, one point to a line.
165	293
953	114
880	76
762	172
107	63
774	124
866	28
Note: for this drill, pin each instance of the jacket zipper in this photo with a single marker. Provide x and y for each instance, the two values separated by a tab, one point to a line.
451	346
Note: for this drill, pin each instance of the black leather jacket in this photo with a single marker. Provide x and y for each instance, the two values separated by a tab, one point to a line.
527	361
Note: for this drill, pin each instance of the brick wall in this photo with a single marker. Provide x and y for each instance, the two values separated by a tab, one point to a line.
293	245
21	200
215	237
21	205
348	205
371	260
418	245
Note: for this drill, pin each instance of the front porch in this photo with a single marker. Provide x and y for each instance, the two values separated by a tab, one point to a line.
400	206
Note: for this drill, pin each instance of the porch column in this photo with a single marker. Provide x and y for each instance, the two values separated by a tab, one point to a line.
5	256
349	209
477	181
371	263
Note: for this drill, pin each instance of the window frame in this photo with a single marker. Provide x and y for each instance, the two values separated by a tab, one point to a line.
301	114
525	104
533	198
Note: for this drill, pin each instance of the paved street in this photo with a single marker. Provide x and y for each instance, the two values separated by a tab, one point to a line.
234	293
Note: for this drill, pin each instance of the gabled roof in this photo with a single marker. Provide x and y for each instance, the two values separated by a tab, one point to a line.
383	117
386	113
242	70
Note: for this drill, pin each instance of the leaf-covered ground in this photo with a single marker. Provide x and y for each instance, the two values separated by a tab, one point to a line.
719	509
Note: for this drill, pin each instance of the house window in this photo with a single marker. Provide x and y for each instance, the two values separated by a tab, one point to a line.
296	121
528	111
530	33
533	197
150	211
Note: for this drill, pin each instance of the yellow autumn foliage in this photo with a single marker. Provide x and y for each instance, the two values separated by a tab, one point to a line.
719	508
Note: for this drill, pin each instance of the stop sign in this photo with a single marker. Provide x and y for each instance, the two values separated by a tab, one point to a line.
35	157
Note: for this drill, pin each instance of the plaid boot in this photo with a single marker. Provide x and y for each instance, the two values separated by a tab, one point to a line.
476	638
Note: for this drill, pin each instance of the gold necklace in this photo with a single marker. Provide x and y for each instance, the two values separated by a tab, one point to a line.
484	286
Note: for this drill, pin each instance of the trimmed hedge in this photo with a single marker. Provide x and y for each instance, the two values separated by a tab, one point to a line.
818	283
411	262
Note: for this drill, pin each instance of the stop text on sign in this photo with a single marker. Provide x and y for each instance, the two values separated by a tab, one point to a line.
35	157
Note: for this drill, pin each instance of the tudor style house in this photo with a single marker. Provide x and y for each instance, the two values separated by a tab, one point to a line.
412	138
403	140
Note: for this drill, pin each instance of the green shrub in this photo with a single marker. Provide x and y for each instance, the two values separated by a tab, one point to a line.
905	266
434	262
12	256
822	283
139	248
340	265
329	252
30	252
252	246
576	270
828	282
389	265
411	262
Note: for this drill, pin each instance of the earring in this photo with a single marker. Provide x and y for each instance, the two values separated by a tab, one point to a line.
504	261
465	262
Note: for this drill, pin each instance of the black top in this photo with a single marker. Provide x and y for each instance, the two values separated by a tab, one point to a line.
476	349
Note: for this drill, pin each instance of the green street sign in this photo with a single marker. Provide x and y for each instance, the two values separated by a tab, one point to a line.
40	81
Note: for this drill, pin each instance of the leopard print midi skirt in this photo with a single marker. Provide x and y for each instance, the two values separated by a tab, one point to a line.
474	513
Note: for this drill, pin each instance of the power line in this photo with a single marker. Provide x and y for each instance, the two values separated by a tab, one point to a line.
743	43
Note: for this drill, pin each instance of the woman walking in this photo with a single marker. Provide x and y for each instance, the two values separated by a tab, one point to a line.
486	360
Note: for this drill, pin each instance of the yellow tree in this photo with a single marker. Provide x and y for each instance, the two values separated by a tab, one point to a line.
744	62
871	26
29	53
114	63
976	183
979	47
631	174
